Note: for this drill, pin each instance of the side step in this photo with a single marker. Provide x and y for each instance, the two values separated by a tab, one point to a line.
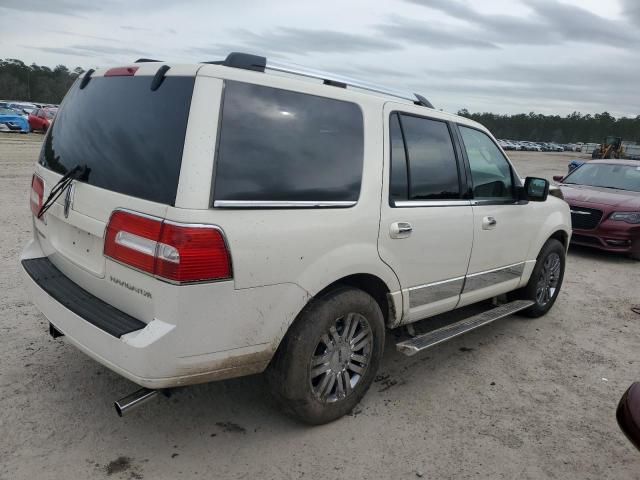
418	344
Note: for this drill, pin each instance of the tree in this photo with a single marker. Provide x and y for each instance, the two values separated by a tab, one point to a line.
33	82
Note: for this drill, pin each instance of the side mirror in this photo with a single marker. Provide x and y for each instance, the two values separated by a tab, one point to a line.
537	189
628	414
558	178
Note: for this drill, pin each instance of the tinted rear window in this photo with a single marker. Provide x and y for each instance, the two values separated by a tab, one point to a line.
281	145
130	137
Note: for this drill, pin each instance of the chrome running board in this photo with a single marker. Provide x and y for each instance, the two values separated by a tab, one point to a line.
422	342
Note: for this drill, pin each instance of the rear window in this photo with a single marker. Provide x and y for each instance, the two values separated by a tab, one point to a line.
278	145
130	137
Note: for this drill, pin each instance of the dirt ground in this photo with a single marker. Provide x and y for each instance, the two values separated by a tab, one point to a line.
520	398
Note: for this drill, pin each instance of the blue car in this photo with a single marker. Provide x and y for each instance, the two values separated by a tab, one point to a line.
12	121
573	164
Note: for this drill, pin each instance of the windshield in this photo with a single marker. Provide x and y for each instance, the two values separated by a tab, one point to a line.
50	113
621	177
7	111
128	136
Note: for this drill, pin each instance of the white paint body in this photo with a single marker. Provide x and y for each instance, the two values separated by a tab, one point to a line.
281	258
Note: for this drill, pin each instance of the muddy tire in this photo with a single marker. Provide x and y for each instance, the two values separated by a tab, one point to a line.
546	279
329	358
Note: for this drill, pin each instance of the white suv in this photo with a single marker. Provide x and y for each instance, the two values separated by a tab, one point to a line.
200	222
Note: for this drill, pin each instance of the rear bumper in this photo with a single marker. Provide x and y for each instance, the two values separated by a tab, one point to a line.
153	356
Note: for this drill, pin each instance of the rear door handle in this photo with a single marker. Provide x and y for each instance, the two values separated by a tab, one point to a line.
400	230
489	223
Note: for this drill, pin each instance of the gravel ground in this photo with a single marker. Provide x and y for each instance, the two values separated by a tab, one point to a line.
517	399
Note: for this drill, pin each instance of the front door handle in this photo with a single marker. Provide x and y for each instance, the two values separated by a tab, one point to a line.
400	230
489	223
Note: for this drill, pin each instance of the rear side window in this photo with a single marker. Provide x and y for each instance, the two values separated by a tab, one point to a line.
431	171
129	137
279	145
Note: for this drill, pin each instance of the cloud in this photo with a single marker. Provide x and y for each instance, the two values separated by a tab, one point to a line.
423	33
577	24
300	41
531	86
60	7
550	23
631	9
135	29
90	50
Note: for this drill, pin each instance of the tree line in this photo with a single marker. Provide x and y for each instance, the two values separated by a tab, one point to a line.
37	83
575	127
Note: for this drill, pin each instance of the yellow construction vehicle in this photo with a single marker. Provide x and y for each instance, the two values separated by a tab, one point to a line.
610	148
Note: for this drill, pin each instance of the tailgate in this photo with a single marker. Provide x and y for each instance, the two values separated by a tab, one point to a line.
128	139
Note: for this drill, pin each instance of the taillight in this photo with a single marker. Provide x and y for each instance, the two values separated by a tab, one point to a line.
181	253
37	194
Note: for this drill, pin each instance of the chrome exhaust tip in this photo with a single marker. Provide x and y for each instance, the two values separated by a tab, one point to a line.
130	402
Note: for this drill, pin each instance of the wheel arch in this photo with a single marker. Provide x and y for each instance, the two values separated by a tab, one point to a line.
390	304
562	236
372	285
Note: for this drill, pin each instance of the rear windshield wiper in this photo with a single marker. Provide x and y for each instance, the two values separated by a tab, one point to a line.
73	174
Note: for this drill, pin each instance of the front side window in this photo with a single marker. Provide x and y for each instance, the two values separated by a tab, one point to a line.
280	145
431	171
490	171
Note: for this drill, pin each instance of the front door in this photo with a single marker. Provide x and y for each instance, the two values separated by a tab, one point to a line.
426	227
500	222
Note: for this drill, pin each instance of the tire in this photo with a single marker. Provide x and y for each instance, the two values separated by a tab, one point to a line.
552	252
309	373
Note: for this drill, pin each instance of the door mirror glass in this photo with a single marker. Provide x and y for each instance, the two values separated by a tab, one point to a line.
537	189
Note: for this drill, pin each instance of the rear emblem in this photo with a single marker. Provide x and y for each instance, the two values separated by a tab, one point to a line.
68	200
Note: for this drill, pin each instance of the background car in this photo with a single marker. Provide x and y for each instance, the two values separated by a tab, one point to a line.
23	107
604	196
41	118
12	121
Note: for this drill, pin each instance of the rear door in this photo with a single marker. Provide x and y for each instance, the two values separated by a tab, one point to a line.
502	225
426	228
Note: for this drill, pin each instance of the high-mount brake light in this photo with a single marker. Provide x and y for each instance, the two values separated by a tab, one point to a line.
180	253
37	194
121	72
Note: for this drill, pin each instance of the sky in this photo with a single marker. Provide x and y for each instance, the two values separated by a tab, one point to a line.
501	56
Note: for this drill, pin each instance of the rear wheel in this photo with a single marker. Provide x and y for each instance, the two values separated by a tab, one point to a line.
329	357
546	279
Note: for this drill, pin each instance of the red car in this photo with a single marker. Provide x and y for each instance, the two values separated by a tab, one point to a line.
41	118
604	196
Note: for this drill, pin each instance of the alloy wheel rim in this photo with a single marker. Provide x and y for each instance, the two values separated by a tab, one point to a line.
341	358
548	281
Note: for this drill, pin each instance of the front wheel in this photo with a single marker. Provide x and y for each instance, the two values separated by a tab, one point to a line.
329	358
546	279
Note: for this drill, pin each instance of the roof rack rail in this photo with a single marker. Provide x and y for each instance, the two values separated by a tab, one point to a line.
145	60
258	63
